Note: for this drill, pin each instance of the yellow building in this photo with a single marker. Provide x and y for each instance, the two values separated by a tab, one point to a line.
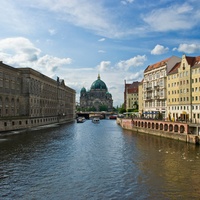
195	88
140	98
183	86
131	95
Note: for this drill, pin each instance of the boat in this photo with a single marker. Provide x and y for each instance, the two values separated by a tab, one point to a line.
95	120
80	119
113	117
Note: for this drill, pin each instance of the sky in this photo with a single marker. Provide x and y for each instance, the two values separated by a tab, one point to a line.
76	40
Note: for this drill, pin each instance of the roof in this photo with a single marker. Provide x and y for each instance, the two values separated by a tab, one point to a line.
196	61
192	61
98	84
157	65
132	88
175	68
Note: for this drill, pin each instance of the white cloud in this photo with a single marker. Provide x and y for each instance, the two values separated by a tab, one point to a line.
101	51
88	14
49	64
138	76
104	65
125	2
172	18
102	40
21	52
18	50
188	48
159	49
132	62
52	31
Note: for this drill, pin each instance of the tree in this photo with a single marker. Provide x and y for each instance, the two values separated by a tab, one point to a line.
122	109
103	108
135	105
92	109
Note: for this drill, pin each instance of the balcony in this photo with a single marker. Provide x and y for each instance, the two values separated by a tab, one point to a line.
149	88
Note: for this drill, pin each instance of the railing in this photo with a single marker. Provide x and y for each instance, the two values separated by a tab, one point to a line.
149	88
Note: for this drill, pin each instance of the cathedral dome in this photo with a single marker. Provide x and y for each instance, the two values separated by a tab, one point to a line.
98	84
107	93
83	90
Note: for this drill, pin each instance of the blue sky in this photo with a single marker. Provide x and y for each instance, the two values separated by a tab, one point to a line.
77	39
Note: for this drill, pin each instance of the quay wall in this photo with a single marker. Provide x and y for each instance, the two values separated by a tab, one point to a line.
27	123
172	130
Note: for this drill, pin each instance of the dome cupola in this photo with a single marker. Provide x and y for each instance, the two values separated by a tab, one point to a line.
83	90
98	85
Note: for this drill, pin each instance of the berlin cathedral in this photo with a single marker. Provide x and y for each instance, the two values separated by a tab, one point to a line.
97	98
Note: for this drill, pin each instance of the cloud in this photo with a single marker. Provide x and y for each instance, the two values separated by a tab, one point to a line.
14	19
101	51
51	64
102	39
138	76
52	31
125	2
20	52
104	66
159	49
88	14
132	62
172	18
188	48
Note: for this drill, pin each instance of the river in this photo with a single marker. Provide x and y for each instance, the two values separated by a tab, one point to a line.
97	161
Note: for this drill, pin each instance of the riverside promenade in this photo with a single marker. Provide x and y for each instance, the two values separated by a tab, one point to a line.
174	130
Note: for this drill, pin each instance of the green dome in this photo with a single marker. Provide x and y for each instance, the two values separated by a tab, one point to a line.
83	90
98	84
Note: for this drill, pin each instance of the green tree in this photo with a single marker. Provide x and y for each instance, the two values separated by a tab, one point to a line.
92	109
103	108
122	109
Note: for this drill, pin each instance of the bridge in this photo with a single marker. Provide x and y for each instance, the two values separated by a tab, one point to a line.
88	115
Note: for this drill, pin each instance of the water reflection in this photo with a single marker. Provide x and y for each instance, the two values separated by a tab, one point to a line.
96	161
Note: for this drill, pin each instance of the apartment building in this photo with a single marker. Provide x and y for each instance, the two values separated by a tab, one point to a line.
155	87
140	98
195	114
183	85
131	95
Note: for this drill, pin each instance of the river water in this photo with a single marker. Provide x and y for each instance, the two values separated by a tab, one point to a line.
97	161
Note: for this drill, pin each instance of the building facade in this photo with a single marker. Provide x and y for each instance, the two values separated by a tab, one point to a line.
131	95
155	87
97	98
140	99
184	90
29	98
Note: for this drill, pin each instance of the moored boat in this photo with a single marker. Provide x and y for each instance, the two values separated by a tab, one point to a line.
95	120
113	117
80	119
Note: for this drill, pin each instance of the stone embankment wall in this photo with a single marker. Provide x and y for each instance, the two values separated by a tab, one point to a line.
27	123
173	130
